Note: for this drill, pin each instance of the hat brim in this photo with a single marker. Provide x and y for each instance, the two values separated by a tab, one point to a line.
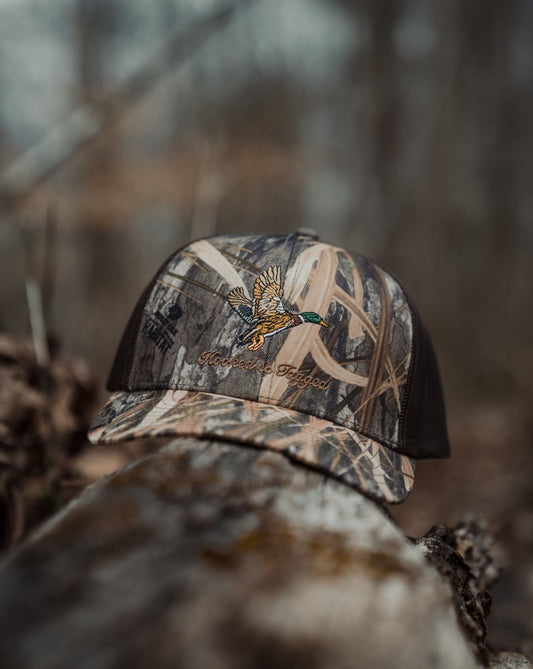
358	461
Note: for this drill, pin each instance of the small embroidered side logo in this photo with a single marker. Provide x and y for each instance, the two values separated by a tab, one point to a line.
265	312
161	328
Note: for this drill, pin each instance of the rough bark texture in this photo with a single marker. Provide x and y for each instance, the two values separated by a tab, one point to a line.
211	555
462	556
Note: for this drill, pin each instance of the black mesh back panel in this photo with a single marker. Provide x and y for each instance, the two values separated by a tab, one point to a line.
424	432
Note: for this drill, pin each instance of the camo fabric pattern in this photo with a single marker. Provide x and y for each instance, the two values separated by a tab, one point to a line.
354	459
279	320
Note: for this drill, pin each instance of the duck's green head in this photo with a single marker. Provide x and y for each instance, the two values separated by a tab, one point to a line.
312	317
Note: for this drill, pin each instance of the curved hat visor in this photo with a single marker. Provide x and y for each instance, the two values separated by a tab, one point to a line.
360	462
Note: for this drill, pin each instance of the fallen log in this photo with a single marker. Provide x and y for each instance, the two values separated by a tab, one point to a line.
211	555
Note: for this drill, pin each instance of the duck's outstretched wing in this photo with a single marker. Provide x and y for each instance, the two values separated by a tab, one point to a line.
242	304
268	293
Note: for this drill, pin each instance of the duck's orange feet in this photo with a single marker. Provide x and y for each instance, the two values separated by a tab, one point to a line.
257	341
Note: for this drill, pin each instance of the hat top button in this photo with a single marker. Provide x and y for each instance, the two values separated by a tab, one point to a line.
307	232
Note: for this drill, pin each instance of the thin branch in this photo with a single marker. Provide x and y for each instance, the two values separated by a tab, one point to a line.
86	122
34	297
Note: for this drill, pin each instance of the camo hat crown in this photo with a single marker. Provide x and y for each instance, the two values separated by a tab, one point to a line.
286	343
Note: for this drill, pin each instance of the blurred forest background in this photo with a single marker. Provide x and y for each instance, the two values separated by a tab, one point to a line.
399	129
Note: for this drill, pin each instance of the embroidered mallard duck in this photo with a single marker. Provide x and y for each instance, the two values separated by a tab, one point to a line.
266	312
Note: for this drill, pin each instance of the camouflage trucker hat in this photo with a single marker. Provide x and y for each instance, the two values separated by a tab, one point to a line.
286	343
